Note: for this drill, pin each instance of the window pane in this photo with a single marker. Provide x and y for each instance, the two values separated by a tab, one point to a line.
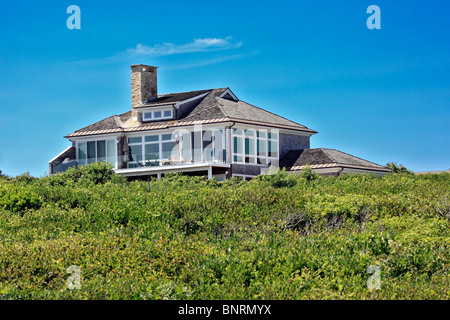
249	133
217	145
218	137
237	131
111	152
101	150
157	114
168	113
135	140
166	137
152	151
167	149
197	144
237	145
91	152
186	147
82	153
262	149
262	161
238	159
207	139
261	133
147	115
208	144
272	135
135	153
249	146
249	160
151	138
273	149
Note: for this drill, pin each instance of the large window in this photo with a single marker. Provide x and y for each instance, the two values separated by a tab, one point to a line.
254	146
161	149
151	150
96	151
202	146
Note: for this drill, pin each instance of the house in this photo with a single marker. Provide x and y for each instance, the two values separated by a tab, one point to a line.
207	132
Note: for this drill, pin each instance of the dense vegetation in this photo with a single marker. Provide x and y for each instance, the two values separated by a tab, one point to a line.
278	236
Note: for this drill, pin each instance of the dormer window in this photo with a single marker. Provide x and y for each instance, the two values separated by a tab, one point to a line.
157	115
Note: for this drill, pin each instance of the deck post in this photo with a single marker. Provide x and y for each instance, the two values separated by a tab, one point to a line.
209	173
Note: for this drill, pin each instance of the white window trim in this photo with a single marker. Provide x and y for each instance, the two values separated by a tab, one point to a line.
214	145
115	165
152	112
143	143
255	139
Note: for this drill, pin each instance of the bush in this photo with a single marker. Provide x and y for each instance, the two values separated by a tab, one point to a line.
308	174
90	174
4	177
278	178
16	198
398	168
24	178
279	236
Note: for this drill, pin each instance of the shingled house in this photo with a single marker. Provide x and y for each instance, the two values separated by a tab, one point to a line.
206	132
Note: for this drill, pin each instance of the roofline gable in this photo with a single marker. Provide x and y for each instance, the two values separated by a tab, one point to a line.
228	91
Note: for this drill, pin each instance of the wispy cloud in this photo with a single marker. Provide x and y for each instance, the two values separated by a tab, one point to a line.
198	45
168	48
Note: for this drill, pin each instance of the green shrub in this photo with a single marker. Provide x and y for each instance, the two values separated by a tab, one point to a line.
95	173
278	236
398	168
24	178
278	178
308	174
3	176
18	198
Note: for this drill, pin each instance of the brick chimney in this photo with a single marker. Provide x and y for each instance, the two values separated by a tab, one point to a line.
143	85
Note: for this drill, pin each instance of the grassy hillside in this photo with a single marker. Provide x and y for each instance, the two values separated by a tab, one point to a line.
275	237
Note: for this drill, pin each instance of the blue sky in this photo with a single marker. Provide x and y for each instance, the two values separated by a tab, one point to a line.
382	95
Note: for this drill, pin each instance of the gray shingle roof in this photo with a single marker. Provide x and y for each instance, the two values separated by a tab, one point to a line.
325	158
108	123
241	110
210	109
212	106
